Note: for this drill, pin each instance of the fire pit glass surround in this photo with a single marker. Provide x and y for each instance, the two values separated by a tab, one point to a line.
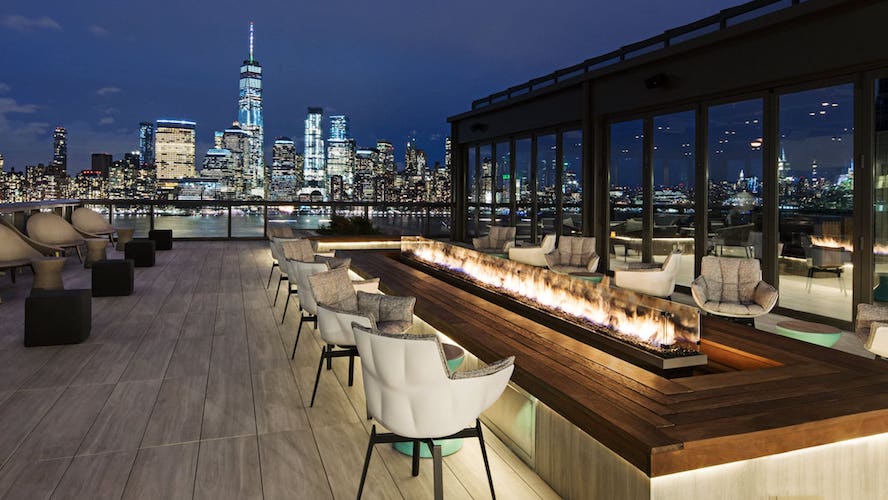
658	325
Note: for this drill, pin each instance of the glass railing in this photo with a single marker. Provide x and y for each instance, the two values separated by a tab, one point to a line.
251	219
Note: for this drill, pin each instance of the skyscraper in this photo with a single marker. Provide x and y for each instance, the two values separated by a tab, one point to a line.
174	149
315	169
101	162
249	116
59	151
340	158
237	181
146	143
338	128
285	177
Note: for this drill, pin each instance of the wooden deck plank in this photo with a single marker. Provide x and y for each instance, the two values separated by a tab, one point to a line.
166	472
228	468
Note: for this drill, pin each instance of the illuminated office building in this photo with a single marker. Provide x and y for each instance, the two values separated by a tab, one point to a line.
286	178
339	127
340	158
315	172
366	164
59	150
250	118
146	143
237	180
174	149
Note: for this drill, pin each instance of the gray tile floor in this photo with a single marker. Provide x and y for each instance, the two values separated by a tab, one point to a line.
185	390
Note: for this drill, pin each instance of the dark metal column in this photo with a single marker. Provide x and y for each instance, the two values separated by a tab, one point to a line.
701	188
534	200
513	196
559	178
588	168
770	192
864	198
458	184
647	206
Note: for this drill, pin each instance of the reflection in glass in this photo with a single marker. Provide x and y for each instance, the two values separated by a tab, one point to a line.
735	179
880	195
486	189
473	185
524	189
673	162
546	182
626	190
815	188
572	183
503	178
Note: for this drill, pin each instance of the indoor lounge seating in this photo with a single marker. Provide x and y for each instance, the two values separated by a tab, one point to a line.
52	230
89	221
411	392
534	255
574	254
651	279
871	327
733	288
499	240
339	305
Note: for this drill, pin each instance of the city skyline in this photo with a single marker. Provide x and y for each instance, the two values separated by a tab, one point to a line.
396	70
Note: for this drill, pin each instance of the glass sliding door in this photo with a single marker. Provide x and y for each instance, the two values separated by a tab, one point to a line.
815	198
626	150
473	188
503	183
523	190
880	192
673	165
735	179
546	172
486	187
572	183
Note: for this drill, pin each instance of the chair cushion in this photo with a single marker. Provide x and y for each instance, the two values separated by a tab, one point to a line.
866	314
385	308
731	280
334	288
574	251
735	308
393	327
334	262
298	250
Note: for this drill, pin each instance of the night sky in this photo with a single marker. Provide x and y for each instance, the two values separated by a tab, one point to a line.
398	69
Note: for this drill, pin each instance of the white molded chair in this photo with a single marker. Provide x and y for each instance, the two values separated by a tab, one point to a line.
50	229
734	288
308	305
88	221
536	255
339	305
573	254
277	255
299	249
411	392
500	239
658	280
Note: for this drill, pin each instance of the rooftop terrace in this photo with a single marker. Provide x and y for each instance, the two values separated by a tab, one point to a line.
185	389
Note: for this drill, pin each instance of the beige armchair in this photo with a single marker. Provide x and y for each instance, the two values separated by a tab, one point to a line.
871	328
733	288
52	230
90	222
656	280
536	255
499	240
17	250
574	254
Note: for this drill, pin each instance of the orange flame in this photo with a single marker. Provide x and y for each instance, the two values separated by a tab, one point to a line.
592	302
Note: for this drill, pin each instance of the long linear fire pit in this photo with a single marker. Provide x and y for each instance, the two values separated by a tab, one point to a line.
644	330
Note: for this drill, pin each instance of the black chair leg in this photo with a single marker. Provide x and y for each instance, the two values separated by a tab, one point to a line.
287	305
298	333
277	291
318	376
330	359
79	256
270	274
416	453
437	465
367	461
351	370
484	455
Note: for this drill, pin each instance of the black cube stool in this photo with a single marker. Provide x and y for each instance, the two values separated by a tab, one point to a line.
54	317
163	238
141	251
112	278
